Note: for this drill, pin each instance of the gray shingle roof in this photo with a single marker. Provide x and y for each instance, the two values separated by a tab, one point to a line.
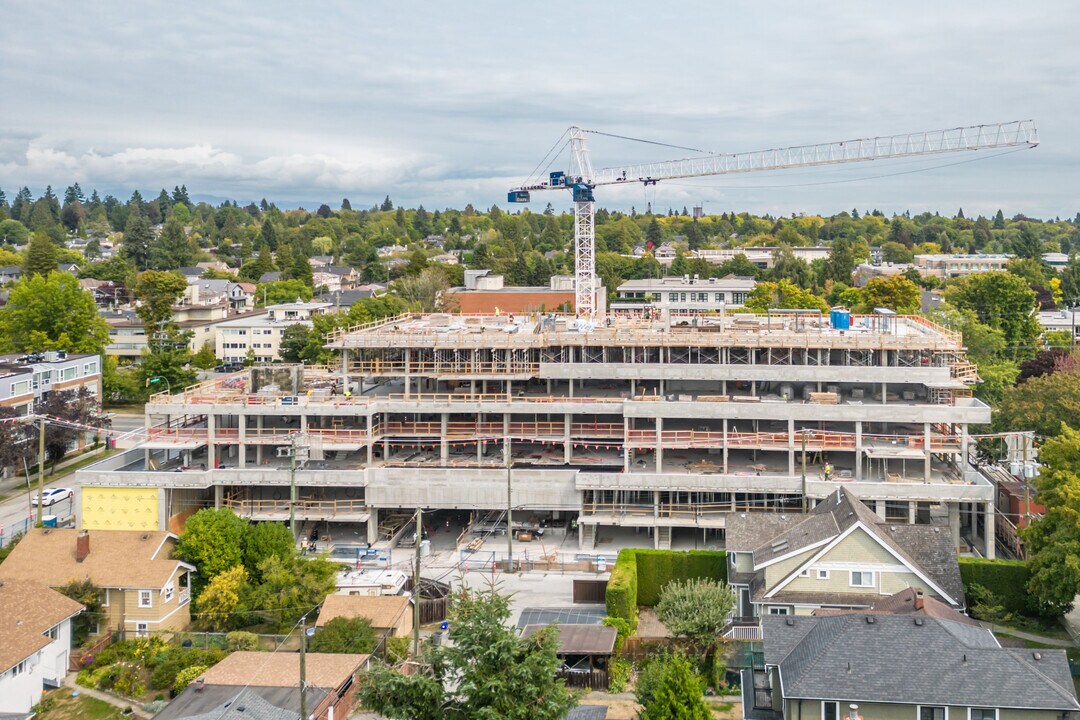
898	659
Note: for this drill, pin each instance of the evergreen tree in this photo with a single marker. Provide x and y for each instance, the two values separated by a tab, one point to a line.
999	220
345	204
422	222
164	202
300	270
136	202
960	214
386	206
263	205
41	255
137	238
269	234
284	259
324	211
1027	245
22	205
180	195
653	233
170	250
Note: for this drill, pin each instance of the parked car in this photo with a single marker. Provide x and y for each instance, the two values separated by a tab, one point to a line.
52	496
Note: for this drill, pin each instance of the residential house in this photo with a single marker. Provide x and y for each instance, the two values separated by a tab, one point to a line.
881	666
145	589
390	615
10	273
445	259
69	268
269	277
348	278
840	554
947	266
241	296
321	261
908	602
191	274
390	250
215	265
35	641
1063	320
258	685
328	281
128	337
26	379
261	333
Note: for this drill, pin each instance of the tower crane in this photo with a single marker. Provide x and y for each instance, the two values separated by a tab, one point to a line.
581	179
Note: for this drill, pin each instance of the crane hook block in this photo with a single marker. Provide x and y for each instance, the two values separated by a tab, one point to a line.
517	196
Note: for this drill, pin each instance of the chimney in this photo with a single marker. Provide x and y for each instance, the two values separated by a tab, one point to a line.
918	599
853	712
199	683
82	545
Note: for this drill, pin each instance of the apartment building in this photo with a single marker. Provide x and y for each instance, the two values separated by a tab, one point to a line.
653	431
25	379
764	257
947	266
684	294
262	333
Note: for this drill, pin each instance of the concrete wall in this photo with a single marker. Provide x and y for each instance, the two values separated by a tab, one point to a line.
470	489
787	373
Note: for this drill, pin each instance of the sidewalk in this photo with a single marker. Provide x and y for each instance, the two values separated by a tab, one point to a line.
69	681
1056	642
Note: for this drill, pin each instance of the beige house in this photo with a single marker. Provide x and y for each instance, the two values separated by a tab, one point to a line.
390	615
145	590
839	555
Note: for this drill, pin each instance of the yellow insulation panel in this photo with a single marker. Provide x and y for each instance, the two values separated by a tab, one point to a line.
120	508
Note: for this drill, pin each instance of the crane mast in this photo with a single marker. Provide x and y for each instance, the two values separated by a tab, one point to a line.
581	179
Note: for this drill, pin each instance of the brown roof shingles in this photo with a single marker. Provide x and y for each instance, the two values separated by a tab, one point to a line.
27	611
384	611
280	669
117	559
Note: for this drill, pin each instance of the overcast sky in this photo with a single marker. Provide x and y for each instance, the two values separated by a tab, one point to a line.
447	103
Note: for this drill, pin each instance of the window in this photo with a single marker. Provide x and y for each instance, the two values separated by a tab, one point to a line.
146	599
932	712
805	573
862	579
778	611
719	297
70	373
21	388
830	710
169	591
142	629
738	298
18	669
822	574
982	714
673	297
53	632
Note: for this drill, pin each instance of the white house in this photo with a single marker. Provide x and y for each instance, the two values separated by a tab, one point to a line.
262	333
35	641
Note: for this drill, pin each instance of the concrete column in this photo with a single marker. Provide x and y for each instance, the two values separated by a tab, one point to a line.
408	368
242	430
211	449
656	519
626	444
219	492
884	393
753	388
373	526
568	447
858	450
725	446
912	507
927	452
258	431
444	447
570	384
791	447
964	440
659	445
344	369
954	522
633	387
303	423
991	534
879	508
509	391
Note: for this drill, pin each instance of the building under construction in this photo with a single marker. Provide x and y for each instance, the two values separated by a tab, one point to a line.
649	431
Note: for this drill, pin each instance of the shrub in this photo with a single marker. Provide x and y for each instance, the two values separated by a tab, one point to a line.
640	575
619	675
129	681
187	676
240	640
622	588
622	629
1005	580
397	649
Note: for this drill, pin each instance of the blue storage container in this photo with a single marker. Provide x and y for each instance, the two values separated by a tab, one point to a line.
840	319
48	520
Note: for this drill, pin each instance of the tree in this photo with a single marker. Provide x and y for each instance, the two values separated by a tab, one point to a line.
264	540
294	342
292	587
91	597
324	211
1002	301
281	291
386	206
896	252
157	293
673	693
896	293
16	441
1053	541
205	358
788	267
41	255
344	635
698	610
75	406
13	232
220	606
137	238
212	541
487	673
171	249
255	269
1041	404
840	263
782	294
51	313
1027	245
425	292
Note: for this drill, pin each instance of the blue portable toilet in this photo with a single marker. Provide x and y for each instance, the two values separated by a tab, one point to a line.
840	319
48	521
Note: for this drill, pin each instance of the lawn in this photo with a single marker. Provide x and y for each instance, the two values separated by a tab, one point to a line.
60	705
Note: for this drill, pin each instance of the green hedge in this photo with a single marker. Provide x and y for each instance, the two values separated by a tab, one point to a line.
639	575
622	588
1008	579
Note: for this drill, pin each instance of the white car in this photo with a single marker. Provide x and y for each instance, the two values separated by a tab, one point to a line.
52	496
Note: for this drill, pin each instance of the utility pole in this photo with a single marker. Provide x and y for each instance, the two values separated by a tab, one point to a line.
804	502
416	583
41	468
303	668
292	486
1027	485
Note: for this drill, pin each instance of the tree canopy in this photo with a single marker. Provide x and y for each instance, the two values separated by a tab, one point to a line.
51	313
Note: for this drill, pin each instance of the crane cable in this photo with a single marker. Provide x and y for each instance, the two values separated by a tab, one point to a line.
650	142
548	154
